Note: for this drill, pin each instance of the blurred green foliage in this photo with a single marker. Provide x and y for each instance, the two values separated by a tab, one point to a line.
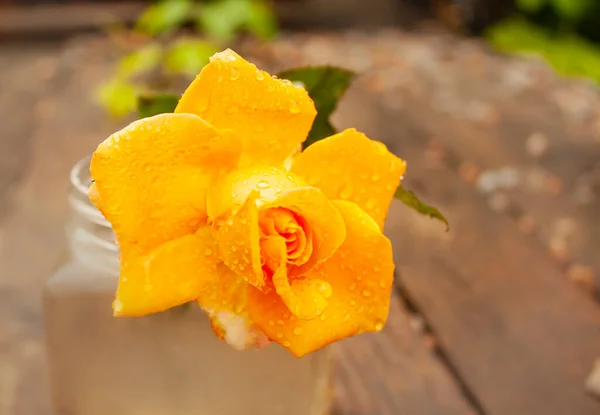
556	31
169	50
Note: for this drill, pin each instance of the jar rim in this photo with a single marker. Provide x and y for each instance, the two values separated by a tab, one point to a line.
79	199
75	174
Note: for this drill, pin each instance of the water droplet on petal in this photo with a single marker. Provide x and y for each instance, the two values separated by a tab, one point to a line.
271	323
235	74
298	331
279	335
208	252
370	203
117	305
346	192
259	75
352	303
352	286
294	108
379	326
366	293
263	184
287	343
375	177
280	322
201	105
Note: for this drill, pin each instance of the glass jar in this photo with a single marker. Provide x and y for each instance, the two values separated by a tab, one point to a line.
168	363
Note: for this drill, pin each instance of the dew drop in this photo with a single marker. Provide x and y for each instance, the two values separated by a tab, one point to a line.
352	303
366	293
352	286
279	335
346	192
370	203
235	74
375	177
298	331
287	343
259	75
271	323
208	252
280	322
201	105
263	184
322	317
294	108
379	326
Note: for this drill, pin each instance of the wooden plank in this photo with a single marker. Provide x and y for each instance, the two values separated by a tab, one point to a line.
66	17
394	373
522	339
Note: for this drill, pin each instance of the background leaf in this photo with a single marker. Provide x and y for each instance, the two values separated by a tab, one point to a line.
411	200
164	16
149	105
261	20
325	85
140	61
118	96
531	6
572	10
220	20
188	56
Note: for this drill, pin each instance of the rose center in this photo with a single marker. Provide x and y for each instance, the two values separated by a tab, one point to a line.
280	226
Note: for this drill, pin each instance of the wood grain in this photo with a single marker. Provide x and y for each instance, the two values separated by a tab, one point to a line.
521	337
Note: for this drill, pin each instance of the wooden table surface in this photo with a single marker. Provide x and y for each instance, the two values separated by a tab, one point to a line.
497	316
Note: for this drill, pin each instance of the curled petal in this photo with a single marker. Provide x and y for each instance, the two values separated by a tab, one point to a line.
360	274
232	190
322	218
352	167
177	272
272	115
239	246
151	177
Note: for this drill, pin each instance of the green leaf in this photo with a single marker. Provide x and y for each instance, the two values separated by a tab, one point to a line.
140	61
531	6
411	200
118	96
325	85
261	20
149	105
188	56
164	16
572	10
222	19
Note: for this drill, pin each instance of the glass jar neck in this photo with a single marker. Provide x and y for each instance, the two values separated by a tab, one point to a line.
91	239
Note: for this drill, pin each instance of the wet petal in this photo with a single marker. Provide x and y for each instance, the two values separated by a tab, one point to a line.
152	176
360	274
272	115
322	218
305	298
231	191
177	272
352	167
238	239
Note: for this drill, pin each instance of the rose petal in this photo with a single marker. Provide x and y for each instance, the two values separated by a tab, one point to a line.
322	218
350	166
152	176
361	276
272	115
238	239
230	192
177	272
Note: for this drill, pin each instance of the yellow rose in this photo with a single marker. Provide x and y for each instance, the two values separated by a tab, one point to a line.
207	206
